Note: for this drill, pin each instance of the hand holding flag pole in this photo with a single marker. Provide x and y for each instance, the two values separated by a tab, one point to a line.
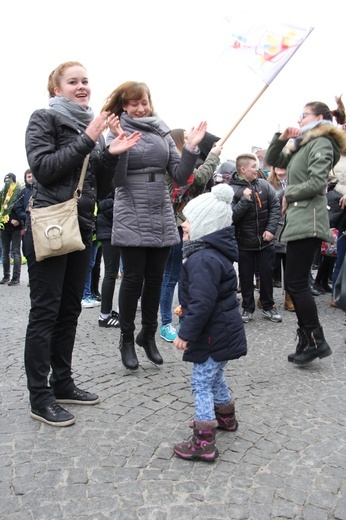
267	50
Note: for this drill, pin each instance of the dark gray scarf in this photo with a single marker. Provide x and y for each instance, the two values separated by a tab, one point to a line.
192	246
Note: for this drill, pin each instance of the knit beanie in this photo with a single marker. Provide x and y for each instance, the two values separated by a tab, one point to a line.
210	212
10	176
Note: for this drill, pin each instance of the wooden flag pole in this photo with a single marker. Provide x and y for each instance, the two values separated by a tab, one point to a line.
224	139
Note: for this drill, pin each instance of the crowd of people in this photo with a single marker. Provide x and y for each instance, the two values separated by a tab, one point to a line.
159	202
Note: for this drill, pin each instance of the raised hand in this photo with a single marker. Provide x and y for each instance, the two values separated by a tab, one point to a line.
290	133
196	134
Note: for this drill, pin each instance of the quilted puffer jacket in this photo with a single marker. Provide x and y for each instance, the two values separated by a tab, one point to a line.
143	214
253	217
212	324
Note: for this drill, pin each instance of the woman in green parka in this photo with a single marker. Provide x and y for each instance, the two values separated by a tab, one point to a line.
308	153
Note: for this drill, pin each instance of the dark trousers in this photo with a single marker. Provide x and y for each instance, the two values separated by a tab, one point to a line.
11	237
143	273
264	259
299	258
56	289
111	259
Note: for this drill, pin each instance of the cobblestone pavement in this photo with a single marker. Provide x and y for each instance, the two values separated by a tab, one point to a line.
287	460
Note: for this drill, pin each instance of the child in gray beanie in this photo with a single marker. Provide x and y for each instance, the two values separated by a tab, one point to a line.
212	330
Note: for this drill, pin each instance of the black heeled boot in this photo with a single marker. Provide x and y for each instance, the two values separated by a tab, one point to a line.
127	351
317	347
148	343
303	341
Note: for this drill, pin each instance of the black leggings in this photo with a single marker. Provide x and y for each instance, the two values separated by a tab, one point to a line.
143	273
299	258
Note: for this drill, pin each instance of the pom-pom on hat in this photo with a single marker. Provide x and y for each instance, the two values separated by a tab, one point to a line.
210	212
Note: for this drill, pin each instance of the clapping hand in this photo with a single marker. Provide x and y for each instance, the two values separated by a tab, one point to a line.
123	142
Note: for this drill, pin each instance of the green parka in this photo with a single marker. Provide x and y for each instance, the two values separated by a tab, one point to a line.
308	168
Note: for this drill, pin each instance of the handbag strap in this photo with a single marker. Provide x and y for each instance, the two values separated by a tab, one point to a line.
82	176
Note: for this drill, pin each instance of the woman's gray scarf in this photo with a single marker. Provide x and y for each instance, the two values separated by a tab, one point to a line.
80	115
192	246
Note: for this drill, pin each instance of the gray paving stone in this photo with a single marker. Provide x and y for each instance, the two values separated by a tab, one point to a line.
286	460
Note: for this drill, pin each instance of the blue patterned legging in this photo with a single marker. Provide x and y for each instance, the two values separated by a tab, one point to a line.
209	387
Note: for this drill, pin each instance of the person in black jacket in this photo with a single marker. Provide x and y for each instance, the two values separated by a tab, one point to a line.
256	214
57	141
22	204
11	231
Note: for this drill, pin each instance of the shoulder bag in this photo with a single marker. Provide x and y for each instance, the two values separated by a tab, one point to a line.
55	228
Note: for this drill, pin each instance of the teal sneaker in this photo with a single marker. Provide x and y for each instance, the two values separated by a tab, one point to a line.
168	332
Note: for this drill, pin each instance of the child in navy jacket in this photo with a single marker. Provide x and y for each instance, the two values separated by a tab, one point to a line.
212	330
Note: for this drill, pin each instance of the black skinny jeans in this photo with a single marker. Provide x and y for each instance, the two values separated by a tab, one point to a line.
111	259
143	273
264	260
56	290
299	258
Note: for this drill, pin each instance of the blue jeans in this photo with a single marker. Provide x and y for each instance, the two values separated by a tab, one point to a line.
87	288
341	249
209	387
171	278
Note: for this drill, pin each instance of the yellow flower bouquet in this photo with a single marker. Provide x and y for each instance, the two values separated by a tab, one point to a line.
8	197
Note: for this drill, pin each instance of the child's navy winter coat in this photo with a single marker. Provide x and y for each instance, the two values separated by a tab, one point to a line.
212	323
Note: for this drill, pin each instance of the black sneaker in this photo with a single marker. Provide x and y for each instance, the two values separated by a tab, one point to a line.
111	321
5	279
54	414
14	281
77	396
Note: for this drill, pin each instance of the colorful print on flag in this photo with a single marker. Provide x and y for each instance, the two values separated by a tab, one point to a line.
268	46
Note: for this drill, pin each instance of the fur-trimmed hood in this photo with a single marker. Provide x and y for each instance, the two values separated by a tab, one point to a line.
332	132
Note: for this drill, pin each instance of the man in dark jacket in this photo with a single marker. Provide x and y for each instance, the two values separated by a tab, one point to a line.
256	213
22	203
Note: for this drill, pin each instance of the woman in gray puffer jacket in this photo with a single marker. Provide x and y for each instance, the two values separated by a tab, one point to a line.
144	226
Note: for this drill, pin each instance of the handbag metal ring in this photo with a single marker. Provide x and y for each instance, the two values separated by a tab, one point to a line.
52	226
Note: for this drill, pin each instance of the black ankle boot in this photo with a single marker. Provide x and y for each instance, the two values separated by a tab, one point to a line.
303	341
127	352
149	345
316	347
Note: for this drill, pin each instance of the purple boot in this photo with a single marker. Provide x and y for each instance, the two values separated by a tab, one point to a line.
225	415
201	446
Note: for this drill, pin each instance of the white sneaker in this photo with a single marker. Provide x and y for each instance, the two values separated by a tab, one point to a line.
88	303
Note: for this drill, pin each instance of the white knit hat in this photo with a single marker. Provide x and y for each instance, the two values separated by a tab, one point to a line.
210	212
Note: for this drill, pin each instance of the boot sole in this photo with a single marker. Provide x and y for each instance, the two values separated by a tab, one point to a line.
203	458
69	422
321	356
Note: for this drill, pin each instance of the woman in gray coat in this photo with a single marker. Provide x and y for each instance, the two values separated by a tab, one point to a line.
144	226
